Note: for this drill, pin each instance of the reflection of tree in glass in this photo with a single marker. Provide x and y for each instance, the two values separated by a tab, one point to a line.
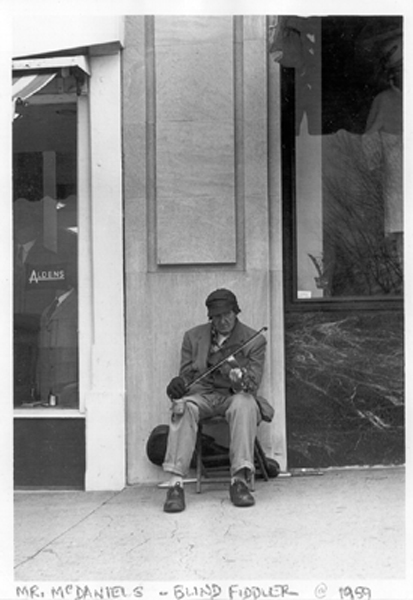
361	260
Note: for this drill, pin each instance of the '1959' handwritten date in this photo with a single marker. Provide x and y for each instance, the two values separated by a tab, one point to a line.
358	593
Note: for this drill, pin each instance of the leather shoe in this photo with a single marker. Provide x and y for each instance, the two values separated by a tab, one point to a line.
175	499
240	494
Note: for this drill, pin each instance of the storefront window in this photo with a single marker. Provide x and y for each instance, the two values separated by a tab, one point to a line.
45	246
345	144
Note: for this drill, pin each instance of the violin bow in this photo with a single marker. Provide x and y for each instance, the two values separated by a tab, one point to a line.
224	360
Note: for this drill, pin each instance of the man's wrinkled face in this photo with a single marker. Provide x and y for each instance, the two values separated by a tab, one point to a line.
224	322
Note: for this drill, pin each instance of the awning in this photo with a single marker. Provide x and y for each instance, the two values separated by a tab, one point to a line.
79	62
28	84
32	74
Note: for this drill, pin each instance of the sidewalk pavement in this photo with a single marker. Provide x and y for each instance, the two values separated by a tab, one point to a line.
340	524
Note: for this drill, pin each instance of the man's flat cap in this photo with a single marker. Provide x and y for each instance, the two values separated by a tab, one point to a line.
221	301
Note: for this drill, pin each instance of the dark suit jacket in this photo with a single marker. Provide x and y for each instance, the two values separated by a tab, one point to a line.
195	351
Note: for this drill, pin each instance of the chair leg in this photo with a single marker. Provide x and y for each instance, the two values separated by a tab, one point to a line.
261	459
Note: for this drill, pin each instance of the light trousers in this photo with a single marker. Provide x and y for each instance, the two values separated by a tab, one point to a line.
243	416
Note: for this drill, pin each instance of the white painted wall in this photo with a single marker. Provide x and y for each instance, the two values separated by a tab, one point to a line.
105	400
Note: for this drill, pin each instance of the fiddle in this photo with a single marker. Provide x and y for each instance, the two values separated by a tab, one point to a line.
229	359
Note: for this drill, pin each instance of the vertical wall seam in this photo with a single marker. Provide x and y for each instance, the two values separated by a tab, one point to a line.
239	141
150	135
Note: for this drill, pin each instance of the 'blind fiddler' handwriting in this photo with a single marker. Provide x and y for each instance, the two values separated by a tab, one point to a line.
233	592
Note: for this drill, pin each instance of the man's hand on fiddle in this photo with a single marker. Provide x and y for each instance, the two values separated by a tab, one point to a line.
176	388
236	375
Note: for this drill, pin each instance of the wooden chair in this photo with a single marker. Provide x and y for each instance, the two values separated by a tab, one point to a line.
206	465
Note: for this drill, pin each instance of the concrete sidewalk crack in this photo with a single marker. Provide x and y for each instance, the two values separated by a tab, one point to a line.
50	542
139	545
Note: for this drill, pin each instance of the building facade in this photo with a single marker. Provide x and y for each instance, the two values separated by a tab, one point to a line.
161	157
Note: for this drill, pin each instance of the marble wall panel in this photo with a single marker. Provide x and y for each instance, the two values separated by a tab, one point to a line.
196	230
194	140
136	246
194	82
195	192
255	27
255	126
255	152
174	30
133	82
345	389
134	159
255	141
195	159
134	147
256	228
255	85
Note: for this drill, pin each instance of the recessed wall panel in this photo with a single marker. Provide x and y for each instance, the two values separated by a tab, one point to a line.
195	230
195	144
195	159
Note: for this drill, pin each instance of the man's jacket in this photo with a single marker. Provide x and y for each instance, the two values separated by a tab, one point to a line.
195	358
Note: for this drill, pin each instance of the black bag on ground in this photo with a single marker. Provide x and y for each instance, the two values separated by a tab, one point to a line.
158	439
273	468
215	454
156	444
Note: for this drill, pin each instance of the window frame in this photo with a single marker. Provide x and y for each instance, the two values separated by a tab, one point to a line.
289	219
81	101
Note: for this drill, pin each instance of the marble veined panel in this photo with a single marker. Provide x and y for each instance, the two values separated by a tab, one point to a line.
194	83
345	388
182	29
195	159
196	230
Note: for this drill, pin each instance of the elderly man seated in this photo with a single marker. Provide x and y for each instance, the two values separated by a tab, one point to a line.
229	391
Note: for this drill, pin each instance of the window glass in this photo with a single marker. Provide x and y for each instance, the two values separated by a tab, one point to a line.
347	143
45	248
